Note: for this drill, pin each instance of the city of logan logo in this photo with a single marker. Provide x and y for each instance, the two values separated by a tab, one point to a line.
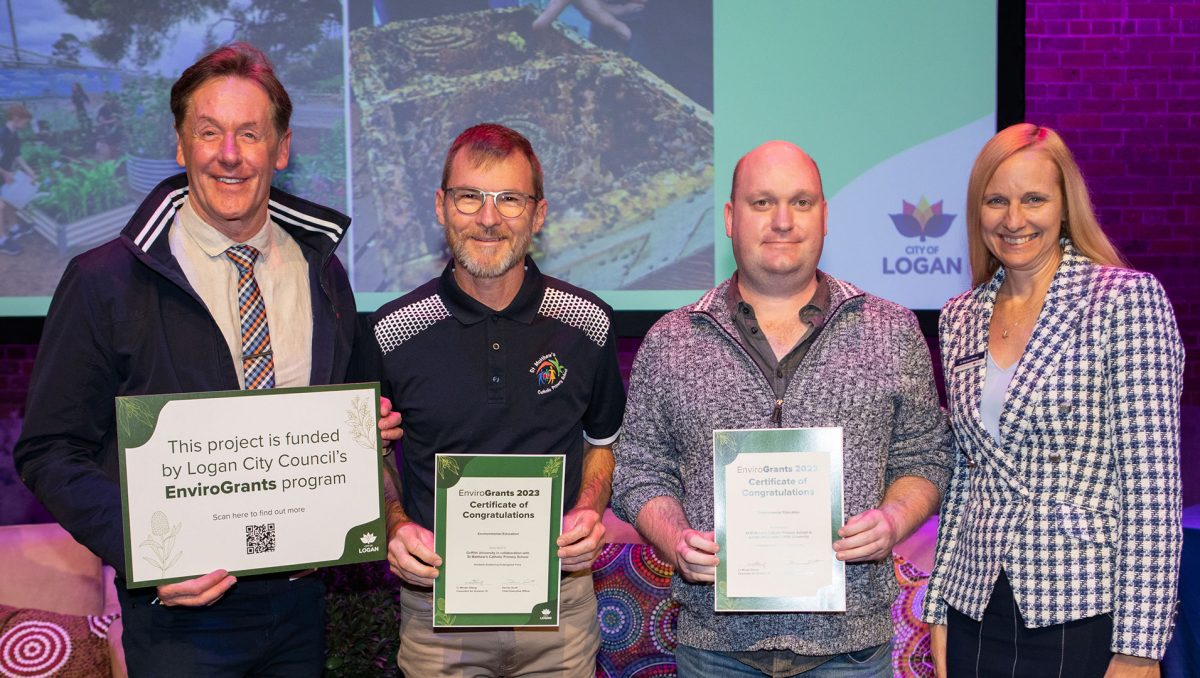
545	613
368	540
922	220
548	372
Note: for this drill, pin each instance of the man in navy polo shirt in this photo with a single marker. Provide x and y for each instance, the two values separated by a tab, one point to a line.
462	358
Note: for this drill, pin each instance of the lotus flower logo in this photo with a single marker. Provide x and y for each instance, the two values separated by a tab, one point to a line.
367	538
922	220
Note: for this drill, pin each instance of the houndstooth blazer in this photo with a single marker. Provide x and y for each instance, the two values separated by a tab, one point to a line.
1080	500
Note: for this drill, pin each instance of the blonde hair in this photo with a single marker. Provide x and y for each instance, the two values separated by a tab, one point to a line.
1080	223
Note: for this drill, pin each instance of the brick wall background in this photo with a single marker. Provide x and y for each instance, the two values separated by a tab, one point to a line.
15	362
17	504
1121	82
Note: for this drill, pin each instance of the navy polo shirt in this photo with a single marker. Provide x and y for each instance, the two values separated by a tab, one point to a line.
537	377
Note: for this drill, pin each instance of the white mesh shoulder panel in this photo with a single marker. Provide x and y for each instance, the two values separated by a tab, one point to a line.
576	312
407	322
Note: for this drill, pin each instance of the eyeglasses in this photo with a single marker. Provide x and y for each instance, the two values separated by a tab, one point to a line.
510	204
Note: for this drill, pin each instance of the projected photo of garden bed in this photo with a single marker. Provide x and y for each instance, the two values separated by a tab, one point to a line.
627	157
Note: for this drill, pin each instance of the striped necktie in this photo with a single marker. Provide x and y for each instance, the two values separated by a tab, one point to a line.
258	362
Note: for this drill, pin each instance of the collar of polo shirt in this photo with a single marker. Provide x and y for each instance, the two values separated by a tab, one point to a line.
468	311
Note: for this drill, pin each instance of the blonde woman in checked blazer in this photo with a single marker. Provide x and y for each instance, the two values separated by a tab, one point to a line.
1058	550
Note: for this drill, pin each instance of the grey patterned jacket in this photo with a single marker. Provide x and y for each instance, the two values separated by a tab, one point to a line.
868	371
1080	501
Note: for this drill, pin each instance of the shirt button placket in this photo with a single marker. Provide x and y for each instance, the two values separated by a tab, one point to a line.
495	361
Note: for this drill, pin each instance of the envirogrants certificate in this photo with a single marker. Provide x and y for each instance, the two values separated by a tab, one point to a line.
778	507
496	525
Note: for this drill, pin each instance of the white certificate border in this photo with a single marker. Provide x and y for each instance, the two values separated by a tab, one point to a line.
826	439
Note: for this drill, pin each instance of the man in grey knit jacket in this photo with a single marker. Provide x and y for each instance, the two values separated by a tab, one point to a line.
782	344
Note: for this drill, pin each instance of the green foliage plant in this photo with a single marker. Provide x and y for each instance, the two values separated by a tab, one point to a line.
81	189
41	157
322	173
362	609
146	109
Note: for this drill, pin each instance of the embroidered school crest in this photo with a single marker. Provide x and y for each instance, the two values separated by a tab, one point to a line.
548	372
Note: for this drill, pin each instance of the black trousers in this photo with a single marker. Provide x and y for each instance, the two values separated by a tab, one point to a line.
1001	646
265	627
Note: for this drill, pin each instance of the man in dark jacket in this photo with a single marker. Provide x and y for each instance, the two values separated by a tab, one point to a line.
157	311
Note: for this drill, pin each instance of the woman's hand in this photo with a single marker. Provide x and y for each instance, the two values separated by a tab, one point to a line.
937	647
1129	666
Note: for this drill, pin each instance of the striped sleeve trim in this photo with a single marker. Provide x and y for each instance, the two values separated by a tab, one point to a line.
602	442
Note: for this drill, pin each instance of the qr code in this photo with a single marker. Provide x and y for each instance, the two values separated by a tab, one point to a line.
260	538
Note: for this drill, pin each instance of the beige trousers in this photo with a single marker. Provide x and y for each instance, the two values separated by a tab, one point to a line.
566	651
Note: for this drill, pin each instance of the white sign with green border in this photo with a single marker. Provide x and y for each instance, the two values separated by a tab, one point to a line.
778	508
252	482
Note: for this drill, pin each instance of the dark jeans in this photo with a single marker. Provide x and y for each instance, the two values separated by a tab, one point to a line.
264	627
1001	646
872	662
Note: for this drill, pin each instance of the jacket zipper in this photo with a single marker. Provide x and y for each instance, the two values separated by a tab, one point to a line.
777	413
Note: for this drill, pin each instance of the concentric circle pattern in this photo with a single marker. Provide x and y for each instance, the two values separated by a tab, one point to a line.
621	620
33	648
663	620
911	657
637	615
653	569
610	557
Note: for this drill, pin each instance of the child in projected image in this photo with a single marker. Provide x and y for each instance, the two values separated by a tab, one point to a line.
18	118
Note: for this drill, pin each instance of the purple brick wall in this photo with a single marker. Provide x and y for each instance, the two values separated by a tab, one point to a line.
15	362
1121	82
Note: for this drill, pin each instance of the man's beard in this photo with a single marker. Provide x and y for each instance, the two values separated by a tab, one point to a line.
460	248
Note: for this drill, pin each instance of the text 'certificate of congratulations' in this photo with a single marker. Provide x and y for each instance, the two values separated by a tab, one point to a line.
497	521
778	500
269	480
